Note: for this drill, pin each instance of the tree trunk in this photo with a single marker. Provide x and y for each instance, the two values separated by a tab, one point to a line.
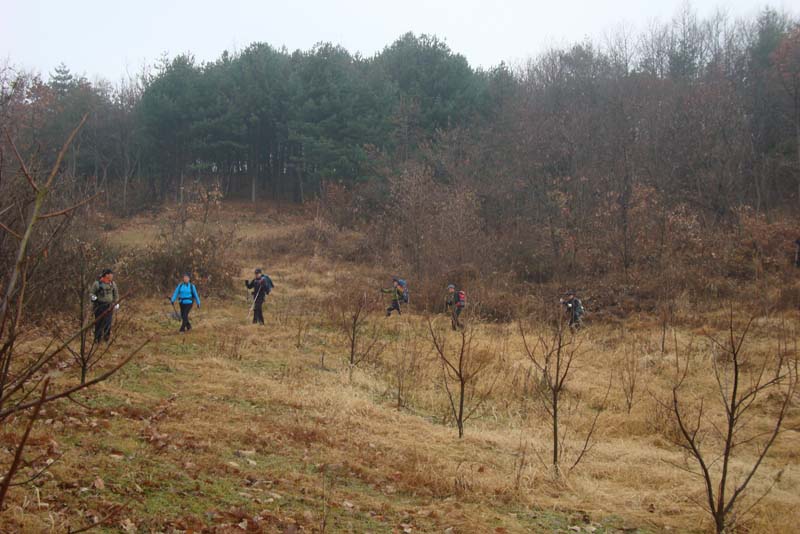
462	393
300	194
105	185
125	194
82	317
797	138
555	431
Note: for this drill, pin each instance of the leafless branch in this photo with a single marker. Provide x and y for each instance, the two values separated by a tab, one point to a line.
12	470
21	162
67	211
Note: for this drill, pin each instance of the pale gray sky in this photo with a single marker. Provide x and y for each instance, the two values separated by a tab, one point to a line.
106	38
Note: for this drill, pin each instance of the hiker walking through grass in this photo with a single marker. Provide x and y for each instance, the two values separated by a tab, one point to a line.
104	297
573	308
457	300
186	295
396	291
262	286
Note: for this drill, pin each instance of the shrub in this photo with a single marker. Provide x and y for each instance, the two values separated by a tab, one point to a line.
199	249
74	255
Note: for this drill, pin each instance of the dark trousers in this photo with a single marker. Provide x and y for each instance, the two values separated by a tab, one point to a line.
102	323
395	306
456	314
258	312
185	309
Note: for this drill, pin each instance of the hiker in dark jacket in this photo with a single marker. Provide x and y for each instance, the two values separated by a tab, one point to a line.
262	286
457	301
186	295
573	308
104	296
396	291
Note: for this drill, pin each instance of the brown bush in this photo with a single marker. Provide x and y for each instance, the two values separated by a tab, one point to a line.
75	248
199	249
436	228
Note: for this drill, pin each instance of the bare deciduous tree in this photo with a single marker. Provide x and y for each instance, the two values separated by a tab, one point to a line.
355	314
554	356
406	366
629	376
80	270
25	385
746	387
464	366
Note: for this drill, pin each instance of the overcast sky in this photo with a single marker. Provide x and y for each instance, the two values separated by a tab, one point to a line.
107	38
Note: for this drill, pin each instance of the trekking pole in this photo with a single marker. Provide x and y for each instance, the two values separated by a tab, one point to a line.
253	304
175	314
252	307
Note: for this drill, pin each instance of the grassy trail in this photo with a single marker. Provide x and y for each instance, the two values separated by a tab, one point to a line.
236	427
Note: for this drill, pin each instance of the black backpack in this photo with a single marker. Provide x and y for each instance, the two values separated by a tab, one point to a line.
268	285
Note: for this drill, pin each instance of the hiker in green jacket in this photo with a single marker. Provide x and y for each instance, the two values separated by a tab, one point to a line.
104	296
396	291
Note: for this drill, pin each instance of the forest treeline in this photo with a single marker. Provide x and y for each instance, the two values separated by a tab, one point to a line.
595	157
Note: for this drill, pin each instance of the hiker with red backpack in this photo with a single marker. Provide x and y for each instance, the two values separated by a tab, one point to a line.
457	299
399	293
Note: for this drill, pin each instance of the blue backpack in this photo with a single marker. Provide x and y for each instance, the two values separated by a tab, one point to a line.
403	284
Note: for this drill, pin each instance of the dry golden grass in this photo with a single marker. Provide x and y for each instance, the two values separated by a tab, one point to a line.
237	428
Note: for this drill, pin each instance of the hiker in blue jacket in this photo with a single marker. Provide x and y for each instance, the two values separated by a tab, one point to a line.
186	295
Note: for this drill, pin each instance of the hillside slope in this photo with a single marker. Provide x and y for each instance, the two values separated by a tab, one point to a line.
236	428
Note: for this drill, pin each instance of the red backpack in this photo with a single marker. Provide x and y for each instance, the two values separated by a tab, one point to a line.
461	300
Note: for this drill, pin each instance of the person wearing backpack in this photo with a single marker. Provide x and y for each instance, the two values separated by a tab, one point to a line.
262	286
186	295
573	308
396	291
457	299
104	297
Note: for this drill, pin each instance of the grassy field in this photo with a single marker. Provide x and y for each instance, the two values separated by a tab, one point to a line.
236	428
